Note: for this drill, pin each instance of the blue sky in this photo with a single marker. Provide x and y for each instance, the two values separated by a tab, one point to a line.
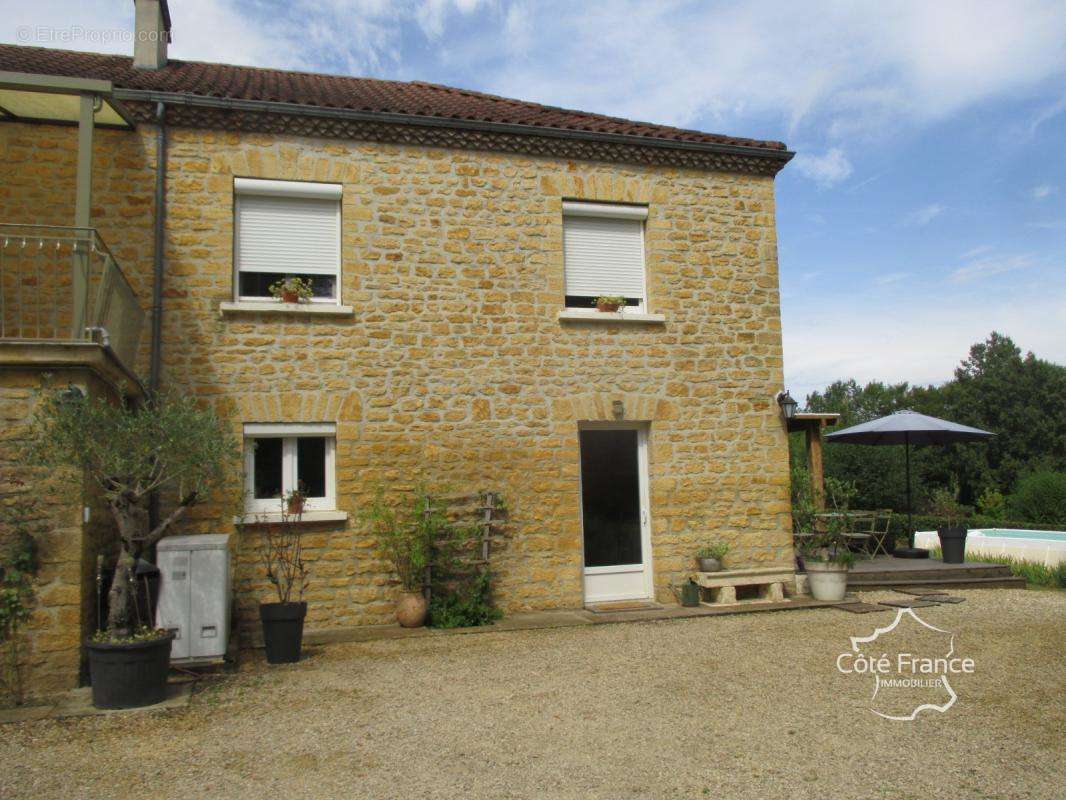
926	205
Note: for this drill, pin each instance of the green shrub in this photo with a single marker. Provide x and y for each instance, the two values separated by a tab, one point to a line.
1059	576
1041	497
463	603
991	503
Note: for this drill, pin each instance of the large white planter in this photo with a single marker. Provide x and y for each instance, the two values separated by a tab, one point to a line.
828	581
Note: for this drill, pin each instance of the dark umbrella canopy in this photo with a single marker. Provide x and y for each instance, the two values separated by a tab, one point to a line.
907	428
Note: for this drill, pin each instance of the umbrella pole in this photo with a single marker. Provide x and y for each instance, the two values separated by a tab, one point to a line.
910	506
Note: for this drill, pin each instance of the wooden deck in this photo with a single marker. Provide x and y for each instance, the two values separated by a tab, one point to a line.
885	572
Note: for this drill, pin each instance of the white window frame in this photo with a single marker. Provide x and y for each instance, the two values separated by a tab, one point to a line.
296	189
584	208
289	433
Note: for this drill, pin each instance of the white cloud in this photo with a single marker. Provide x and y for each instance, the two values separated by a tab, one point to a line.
976	251
848	69
924	215
1043	191
987	266
890	278
826	170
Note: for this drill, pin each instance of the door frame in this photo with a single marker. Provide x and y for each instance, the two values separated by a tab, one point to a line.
643	430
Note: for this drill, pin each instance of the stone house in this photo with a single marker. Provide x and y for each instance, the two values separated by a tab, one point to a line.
455	243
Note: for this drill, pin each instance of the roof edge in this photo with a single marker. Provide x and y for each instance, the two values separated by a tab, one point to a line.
299	109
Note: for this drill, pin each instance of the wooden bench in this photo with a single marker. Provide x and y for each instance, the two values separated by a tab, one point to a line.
721	586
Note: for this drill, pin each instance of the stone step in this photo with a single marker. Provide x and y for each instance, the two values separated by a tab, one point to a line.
957	582
956	573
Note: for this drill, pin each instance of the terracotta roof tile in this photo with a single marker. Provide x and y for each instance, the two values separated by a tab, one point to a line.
335	91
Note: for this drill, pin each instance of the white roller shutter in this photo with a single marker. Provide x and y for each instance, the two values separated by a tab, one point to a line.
603	255
297	232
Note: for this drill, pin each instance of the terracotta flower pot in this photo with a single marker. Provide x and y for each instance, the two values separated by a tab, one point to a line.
411	610
290	297
608	307
296	507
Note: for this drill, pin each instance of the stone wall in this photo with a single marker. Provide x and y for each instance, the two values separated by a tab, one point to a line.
454	369
64	612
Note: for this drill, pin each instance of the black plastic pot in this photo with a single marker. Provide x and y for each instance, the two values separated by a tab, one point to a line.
283	630
129	675
952	544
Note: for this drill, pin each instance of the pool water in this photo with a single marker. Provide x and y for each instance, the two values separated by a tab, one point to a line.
1011	533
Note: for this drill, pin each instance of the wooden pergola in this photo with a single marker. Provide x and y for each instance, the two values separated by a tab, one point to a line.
812	423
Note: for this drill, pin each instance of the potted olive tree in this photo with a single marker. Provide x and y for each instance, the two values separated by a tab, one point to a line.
166	445
826	557
712	556
951	532
281	551
405	538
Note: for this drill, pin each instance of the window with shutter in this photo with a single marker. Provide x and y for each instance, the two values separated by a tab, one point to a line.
287	229
603	253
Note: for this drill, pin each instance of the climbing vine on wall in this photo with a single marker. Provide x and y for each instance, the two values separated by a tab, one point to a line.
18	569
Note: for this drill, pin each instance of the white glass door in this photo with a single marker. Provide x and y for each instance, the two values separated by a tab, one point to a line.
614	511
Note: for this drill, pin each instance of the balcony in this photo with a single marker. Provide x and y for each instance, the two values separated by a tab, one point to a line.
61	285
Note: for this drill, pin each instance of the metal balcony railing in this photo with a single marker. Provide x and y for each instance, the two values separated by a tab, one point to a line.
61	284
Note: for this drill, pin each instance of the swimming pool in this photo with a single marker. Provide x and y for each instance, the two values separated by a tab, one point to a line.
1043	547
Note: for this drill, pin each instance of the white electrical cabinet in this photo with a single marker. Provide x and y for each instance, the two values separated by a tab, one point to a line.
194	595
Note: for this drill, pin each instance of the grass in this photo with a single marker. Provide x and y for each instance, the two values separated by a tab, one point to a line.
1035	574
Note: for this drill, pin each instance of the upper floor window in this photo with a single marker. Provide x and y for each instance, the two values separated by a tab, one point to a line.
603	253
286	229
282	458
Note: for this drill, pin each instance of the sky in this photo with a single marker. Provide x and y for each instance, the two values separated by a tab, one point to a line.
926	205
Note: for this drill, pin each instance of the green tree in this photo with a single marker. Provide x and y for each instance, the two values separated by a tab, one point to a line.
168	445
1019	399
995	388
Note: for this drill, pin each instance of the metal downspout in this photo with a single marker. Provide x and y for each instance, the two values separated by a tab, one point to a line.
157	265
157	278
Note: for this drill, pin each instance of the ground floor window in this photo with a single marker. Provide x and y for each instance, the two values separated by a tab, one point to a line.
282	458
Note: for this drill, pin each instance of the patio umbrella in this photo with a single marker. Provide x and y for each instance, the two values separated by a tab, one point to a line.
907	428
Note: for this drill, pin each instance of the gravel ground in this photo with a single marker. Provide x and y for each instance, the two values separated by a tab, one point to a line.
747	706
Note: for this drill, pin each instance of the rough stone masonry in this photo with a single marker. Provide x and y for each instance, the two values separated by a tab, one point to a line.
454	370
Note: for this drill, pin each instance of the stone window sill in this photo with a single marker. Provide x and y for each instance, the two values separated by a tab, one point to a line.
310	309
307	518
610	317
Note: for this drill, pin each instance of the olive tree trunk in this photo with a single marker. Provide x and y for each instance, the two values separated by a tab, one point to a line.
133	539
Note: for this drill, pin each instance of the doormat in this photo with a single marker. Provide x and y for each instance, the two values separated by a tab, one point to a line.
916	603
622	605
944	598
860	608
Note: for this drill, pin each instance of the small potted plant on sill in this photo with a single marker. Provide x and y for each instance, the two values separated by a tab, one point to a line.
166	445
712	556
291	290
281	551
609	304
406	540
296	500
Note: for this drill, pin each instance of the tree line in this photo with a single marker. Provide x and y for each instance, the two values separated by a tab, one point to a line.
1020	474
